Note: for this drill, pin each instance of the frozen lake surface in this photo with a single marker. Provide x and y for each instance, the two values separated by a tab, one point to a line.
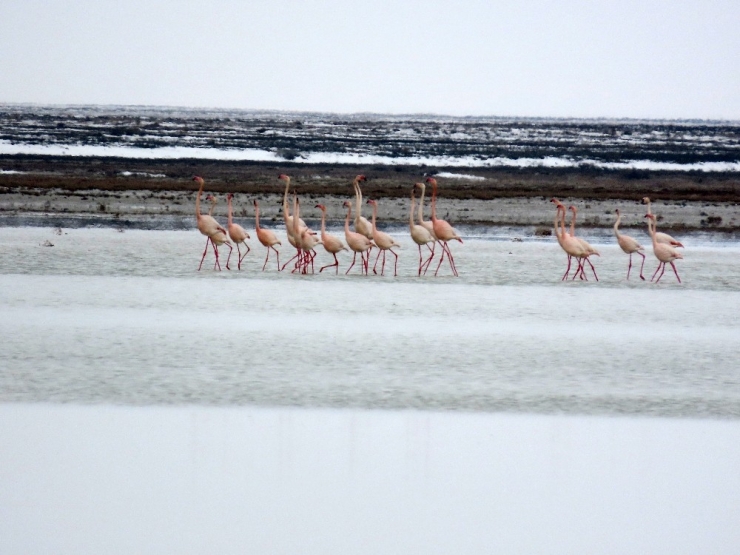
146	407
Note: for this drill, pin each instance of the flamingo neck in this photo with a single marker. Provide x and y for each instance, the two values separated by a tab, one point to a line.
197	201
349	215
257	217
411	213
434	201
285	198
421	205
229	217
323	224
616	225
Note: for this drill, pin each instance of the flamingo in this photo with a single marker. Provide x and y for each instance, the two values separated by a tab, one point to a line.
305	240
355	241
588	249
661	237
571	245
442	230
420	234
237	234
361	223
628	245
332	245
663	252
289	222
426	224
562	234
383	241
266	237
219	238
207	225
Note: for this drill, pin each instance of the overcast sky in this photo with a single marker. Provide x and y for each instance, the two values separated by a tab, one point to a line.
580	58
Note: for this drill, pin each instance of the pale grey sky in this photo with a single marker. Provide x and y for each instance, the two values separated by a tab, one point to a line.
580	58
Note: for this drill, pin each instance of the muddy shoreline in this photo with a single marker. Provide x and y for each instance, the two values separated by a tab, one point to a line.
110	189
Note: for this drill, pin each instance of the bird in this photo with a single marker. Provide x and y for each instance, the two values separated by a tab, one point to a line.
357	242
561	234
420	234
588	249
332	245
663	252
361	223
661	237
289	222
628	245
266	237
571	245
219	238
207	225
383	241
237	234
442	230
426	224
305	240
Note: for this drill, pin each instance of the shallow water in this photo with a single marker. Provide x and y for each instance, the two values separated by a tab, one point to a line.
258	480
125	318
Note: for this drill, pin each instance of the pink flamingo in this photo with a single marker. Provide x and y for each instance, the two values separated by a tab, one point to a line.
237	234
442	230
628	245
383	241
420	234
663	252
305	239
207	225
561	234
361	224
289	223
266	237
356	241
571	245
661	237
589	250
332	245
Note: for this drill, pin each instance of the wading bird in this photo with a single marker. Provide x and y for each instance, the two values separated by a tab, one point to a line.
442	231
420	234
237	234
663	252
383	241
207	225
628	245
332	245
661	237
356	242
266	237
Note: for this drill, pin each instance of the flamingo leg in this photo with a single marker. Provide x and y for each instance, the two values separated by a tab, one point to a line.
289	261
419	272
382	268
592	269
353	263
675	271
376	260
216	264
662	265
266	257
641	265
395	264
238	265
451	259
629	267
336	263
204	253
231	249
656	271
567	271
431	257
441	259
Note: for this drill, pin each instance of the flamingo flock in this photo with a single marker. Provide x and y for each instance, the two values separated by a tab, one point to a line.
428	235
